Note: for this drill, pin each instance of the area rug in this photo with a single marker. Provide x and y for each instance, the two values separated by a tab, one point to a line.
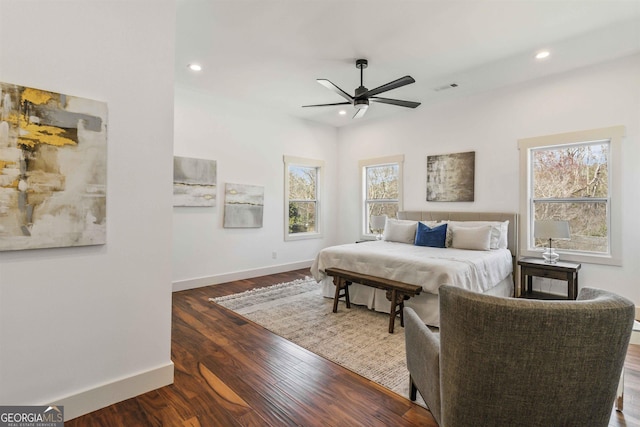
356	338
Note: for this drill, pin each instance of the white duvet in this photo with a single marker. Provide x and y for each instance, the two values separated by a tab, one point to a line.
418	265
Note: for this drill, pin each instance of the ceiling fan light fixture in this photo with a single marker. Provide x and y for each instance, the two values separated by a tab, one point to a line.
361	103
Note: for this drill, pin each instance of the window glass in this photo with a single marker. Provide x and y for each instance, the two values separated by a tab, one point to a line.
571	183
382	189
302	198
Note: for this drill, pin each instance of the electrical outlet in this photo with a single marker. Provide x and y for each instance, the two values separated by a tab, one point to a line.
274	255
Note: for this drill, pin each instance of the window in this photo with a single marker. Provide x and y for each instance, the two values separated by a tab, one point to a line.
381	189
302	198
574	177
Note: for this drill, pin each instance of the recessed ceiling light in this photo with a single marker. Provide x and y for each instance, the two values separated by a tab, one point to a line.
543	54
342	112
195	67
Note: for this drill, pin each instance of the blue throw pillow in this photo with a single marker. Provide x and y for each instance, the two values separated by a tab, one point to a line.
433	237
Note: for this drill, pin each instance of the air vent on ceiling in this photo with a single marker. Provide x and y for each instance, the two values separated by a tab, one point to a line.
445	87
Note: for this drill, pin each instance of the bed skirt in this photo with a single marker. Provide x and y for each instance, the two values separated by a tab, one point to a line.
426	305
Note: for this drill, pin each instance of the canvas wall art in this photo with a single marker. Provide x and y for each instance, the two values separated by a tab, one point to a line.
451	177
243	206
194	182
53	169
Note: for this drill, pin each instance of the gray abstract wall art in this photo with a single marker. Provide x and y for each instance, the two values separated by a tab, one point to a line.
451	177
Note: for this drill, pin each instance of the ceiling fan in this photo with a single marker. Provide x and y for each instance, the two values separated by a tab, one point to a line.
362	95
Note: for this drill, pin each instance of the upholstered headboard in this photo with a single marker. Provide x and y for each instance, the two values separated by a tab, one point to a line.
512	237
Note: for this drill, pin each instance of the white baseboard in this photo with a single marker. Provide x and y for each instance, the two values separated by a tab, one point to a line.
107	394
182	285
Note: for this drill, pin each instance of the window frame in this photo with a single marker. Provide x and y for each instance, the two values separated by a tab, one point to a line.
307	163
363	165
613	135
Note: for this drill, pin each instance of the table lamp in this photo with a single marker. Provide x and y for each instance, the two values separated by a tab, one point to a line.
377	223
551	229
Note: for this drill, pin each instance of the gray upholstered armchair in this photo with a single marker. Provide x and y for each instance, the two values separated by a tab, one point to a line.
518	362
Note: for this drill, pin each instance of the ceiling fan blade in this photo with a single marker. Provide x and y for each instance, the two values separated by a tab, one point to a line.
359	113
402	81
327	105
399	102
326	83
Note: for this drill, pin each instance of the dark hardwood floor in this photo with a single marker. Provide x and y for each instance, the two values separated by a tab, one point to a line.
231	372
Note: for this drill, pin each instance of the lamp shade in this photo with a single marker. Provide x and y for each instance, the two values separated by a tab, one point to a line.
550	229
377	222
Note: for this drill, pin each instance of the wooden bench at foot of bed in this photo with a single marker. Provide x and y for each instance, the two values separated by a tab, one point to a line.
397	292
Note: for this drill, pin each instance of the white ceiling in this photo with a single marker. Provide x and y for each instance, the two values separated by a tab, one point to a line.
270	52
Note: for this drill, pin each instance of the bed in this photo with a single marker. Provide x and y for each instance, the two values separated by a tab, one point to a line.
473	262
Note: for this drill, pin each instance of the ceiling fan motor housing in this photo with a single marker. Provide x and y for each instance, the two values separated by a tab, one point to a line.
360	90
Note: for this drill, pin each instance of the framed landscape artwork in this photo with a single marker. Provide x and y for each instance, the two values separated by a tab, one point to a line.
451	177
243	206
194	182
53	174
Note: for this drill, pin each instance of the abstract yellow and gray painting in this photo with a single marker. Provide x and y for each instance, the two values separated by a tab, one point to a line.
243	206
53	169
194	182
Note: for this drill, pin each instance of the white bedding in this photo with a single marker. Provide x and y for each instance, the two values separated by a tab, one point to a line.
428	267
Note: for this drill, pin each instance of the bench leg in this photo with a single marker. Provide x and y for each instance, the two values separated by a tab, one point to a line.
341	285
336	281
393	312
347	299
397	307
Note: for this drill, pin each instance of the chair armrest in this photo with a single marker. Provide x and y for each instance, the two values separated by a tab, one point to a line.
423	359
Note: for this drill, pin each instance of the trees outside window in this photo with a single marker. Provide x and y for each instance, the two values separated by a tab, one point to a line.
571	183
574	177
302	198
382	189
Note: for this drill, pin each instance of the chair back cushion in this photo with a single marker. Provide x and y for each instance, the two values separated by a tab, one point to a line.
507	361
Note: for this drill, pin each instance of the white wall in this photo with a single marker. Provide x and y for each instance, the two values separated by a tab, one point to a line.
87	327
491	124
248	143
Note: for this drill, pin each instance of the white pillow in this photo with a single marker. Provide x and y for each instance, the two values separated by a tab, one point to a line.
398	230
499	231
430	224
504	235
474	238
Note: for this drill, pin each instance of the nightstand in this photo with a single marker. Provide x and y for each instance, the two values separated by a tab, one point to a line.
562	270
